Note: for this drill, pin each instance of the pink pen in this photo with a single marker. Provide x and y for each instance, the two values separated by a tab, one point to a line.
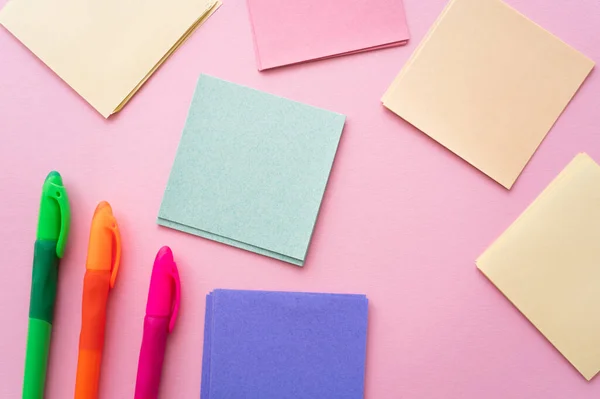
161	312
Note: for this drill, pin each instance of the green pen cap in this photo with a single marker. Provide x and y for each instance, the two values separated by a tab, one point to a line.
55	215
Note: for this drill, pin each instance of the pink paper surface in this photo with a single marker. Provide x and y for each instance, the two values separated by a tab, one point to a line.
402	221
289	32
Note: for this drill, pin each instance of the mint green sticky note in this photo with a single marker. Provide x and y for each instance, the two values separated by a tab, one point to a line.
251	170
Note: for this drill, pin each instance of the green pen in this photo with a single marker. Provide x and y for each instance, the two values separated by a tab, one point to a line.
52	232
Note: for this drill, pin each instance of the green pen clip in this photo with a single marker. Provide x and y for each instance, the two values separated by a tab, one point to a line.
55	206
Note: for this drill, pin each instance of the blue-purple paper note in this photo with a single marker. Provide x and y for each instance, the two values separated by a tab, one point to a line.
276	345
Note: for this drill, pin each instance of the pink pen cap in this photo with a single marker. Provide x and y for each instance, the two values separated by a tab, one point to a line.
165	288
161	312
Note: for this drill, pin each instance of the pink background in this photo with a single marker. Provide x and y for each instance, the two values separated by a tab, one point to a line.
402	220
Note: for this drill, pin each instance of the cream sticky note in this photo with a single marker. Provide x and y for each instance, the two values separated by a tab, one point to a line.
488	84
289	32
104	49
548	264
251	170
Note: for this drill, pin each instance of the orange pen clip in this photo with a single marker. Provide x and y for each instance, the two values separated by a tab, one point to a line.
102	267
117	260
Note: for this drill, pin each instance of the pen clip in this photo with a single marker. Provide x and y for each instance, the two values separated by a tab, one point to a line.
59	194
177	300
114	228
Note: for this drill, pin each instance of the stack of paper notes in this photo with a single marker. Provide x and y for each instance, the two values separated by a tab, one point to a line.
488	84
548	264
276	345
251	170
104	49
289	32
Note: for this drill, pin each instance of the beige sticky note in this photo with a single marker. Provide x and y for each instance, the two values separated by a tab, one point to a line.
548	264
104	49
488	84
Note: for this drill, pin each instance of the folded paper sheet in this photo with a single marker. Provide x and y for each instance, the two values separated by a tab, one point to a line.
251	170
548	264
274	345
104	49
289	32
488	84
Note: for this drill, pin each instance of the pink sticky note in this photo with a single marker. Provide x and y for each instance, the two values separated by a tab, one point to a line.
289	32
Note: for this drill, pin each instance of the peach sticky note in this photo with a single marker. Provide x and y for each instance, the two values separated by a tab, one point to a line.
288	32
104	49
548	264
488	84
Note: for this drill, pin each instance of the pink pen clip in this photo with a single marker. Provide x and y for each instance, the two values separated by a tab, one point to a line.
177	300
164	298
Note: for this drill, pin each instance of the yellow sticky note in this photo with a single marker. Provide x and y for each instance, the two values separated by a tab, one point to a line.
104	49
548	264
488	84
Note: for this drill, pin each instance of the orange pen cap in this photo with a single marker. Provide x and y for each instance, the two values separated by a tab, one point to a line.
104	250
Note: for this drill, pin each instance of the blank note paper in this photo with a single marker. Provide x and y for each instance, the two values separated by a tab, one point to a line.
251	170
548	264
104	49
488	84
275	345
289	32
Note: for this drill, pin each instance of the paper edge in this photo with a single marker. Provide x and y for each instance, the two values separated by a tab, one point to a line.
254	41
384	46
206	348
324	191
583	373
405	38
565	172
416	53
212	8
229	241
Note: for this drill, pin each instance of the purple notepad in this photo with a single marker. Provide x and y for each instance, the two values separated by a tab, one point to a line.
284	345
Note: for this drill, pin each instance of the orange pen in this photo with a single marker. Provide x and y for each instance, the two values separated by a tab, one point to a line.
102	265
